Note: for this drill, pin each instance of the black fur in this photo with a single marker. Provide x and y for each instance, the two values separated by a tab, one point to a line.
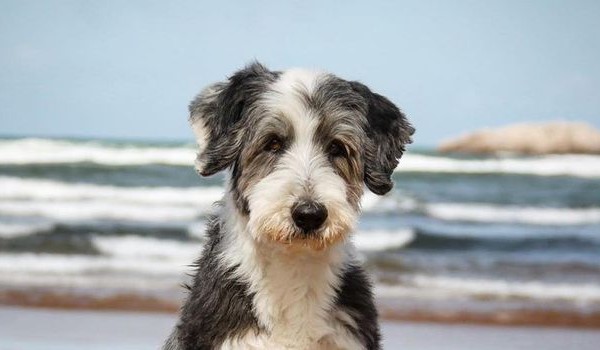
240	201
218	305
389	131
355	298
223	115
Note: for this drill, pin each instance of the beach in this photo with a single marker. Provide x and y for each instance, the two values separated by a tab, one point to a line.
37	329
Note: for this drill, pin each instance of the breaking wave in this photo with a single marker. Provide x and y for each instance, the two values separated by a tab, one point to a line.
550	165
382	240
513	214
444	287
47	151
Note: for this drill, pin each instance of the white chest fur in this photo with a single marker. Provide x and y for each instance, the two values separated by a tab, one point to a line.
294	295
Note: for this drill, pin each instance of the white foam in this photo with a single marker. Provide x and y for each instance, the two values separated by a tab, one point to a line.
77	202
197	229
368	241
79	211
54	264
131	246
127	261
95	281
513	214
45	151
550	165
444	287
389	203
36	189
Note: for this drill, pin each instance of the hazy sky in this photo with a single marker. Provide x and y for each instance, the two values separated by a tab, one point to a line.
129	68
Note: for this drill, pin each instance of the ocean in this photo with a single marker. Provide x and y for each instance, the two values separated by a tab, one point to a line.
456	232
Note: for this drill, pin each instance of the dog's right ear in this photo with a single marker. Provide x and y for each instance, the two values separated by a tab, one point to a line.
216	116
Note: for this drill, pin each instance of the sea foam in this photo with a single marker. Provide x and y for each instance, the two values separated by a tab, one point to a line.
479	212
45	151
382	240
132	246
549	165
446	287
38	189
78	202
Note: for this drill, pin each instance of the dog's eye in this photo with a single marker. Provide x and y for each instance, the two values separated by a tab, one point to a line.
337	149
274	145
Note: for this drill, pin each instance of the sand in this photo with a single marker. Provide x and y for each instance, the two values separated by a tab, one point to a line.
36	329
393	310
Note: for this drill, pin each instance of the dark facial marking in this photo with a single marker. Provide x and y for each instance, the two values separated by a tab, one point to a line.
337	149
340	131
274	145
260	153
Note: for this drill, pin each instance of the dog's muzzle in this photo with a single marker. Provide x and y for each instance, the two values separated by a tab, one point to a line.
309	215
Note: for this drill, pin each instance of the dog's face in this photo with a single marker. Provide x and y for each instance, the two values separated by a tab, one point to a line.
300	146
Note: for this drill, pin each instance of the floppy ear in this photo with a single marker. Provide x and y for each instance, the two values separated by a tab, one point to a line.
388	132
217	114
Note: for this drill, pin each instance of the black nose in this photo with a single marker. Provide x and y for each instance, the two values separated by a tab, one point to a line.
309	215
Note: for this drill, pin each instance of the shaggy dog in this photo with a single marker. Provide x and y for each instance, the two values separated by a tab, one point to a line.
278	270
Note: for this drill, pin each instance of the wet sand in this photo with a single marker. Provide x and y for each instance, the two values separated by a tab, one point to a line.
391	311
52	329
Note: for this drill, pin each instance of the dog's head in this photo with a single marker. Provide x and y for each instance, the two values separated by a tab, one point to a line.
300	145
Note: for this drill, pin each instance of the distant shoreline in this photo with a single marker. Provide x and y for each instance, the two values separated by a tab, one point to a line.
541	138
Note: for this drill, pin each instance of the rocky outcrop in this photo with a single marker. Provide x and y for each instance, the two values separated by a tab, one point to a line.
534	138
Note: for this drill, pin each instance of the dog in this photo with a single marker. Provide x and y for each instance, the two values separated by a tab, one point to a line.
278	270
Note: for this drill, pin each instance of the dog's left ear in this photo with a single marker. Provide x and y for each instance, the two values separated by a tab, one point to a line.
217	113
388	131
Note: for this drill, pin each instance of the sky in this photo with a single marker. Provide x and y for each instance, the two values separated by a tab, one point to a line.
128	69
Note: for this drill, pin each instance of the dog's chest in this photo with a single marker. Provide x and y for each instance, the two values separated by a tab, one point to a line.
333	336
294	302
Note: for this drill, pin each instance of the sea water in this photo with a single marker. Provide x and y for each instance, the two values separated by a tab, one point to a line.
130	216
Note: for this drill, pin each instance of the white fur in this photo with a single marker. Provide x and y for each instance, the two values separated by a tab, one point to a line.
294	286
303	171
293	291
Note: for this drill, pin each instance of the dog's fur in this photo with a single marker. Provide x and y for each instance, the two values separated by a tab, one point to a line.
284	137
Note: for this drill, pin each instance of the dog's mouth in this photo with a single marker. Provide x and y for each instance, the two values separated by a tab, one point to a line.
319	239
305	224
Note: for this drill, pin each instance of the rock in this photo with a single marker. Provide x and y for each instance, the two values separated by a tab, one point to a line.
531	138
